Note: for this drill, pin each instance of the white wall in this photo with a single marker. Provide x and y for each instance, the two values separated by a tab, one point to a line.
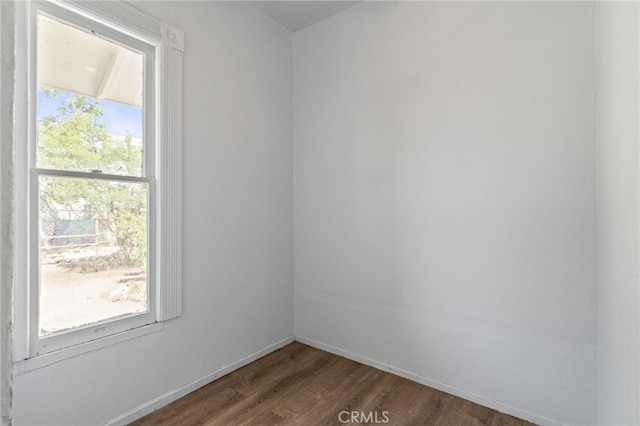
445	207
445	197
618	215
238	271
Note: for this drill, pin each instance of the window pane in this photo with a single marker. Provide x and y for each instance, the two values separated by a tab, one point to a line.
89	102
93	251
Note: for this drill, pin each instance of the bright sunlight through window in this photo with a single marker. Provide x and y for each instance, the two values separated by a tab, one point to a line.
93	230
99	178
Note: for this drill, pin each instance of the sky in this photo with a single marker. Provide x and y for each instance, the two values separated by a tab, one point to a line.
120	119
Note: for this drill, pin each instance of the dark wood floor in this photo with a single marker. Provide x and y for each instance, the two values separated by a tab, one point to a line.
301	385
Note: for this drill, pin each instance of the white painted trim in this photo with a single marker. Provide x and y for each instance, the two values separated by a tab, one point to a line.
130	19
21	191
40	361
169	173
175	394
39	345
486	402
173	36
116	19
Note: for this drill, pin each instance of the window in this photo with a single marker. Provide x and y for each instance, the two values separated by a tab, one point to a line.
100	176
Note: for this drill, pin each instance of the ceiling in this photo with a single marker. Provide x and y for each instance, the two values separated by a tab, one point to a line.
296	15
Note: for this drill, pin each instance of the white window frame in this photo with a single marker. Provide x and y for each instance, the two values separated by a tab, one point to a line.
163	47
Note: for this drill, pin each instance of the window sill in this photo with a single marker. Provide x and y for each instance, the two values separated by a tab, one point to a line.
40	361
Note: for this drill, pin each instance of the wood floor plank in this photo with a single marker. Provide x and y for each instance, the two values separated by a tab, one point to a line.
301	385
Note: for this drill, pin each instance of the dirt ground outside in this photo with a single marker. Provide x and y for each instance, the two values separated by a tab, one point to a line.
72	295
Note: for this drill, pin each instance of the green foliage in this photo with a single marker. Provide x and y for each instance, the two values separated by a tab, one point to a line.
76	140
130	236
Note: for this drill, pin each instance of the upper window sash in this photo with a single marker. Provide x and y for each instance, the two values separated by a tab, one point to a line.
79	24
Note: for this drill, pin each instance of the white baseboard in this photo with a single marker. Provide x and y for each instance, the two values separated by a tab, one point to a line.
495	405
173	395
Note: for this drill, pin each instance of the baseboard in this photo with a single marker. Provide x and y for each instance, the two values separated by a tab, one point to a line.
173	395
495	405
